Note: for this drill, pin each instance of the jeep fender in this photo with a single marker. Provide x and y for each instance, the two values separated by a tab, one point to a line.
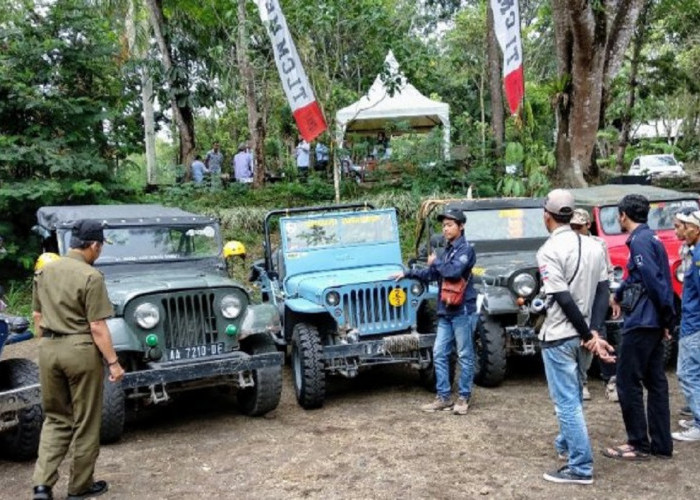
123	338
498	300
304	306
260	319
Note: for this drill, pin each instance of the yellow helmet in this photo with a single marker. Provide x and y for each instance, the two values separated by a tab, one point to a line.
44	259
234	248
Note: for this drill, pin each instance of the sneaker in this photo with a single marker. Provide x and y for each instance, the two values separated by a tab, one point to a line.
687	424
692	434
611	391
42	492
685	412
438	404
97	489
461	406
586	393
566	475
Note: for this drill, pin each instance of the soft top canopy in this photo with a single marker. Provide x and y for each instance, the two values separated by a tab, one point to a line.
371	113
54	217
611	194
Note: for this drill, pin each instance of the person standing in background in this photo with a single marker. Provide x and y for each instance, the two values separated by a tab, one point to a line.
302	154
243	165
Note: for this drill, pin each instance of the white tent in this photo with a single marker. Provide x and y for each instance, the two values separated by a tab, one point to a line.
371	113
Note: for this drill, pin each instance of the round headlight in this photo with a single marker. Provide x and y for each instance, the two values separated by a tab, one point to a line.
147	315
524	284
332	298
680	274
618	273
417	288
231	306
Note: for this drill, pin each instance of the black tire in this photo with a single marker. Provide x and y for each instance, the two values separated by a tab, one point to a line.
265	395
113	411
307	365
22	441
490	350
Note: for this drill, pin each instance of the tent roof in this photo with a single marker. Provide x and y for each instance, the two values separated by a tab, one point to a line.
375	108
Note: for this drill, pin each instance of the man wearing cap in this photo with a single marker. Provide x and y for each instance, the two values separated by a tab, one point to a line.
456	323
646	299
581	223
689	338
70	305
575	280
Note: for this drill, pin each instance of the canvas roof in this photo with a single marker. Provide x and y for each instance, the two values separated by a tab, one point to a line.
371	113
611	194
53	217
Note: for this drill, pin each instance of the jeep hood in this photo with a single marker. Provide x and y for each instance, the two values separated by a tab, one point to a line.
124	286
311	285
493	266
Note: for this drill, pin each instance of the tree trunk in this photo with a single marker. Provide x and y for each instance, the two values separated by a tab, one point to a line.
255	122
182	114
591	39
495	86
626	121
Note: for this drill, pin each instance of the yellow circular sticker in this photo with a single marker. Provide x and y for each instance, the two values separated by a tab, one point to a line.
397	297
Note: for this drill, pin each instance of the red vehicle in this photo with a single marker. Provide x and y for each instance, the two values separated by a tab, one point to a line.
601	202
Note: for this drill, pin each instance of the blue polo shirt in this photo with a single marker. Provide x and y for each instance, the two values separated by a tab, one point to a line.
690	317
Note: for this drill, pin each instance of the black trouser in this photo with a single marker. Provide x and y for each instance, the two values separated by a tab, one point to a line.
608	370
640	363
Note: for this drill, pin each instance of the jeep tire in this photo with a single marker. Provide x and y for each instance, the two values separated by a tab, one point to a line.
307	365
490	353
22	441
113	411
265	394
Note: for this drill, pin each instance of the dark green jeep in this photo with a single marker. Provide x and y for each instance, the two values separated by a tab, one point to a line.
180	323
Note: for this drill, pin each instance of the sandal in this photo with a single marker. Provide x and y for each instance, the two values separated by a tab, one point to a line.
625	452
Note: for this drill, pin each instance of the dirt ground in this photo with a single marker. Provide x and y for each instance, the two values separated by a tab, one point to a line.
370	441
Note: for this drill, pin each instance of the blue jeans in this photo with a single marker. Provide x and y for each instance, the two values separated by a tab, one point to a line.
561	365
689	372
451	330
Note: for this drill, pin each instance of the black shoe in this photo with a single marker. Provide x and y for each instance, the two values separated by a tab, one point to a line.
43	493
566	475
97	488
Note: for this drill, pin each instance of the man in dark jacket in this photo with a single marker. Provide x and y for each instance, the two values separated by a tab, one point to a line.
456	323
646	298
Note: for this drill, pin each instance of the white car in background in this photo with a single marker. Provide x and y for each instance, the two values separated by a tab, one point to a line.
657	166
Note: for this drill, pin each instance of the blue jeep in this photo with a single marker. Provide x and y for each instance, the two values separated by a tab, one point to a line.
20	395
340	310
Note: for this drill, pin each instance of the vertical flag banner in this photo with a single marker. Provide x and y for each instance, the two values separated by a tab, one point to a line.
506	25
296	85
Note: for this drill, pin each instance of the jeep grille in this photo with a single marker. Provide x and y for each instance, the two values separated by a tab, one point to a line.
368	310
189	319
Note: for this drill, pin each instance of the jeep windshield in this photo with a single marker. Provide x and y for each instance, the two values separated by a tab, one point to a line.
661	215
157	243
504	224
338	231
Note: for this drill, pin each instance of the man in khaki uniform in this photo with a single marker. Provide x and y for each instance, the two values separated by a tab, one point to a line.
70	305
575	280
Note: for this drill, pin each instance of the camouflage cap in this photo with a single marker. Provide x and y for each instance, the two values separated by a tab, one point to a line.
581	217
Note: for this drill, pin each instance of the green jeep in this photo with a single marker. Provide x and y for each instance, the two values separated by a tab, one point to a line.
180	323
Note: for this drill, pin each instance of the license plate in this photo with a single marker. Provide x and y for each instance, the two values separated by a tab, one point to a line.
196	351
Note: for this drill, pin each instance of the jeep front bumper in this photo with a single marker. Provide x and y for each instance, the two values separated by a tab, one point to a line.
203	368
391	349
20	398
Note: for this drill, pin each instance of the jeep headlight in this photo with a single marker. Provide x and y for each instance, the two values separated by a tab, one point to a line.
417	288
524	285
332	298
147	315
680	274
231	306
618	273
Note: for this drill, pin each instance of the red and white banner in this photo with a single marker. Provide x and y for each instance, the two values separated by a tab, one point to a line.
506	24
296	85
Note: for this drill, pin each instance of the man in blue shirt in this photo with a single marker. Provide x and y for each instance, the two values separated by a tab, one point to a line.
646	297
689	341
198	170
456	323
